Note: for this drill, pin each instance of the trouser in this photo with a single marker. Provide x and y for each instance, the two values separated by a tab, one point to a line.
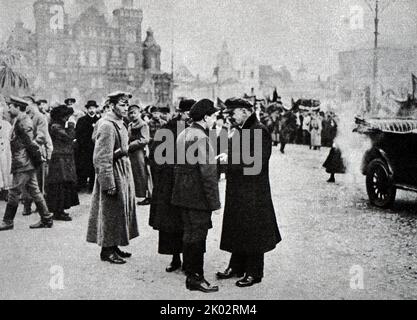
170	243
21	181
250	264
196	226
41	173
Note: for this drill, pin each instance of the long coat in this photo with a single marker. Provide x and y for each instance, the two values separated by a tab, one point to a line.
112	218
62	165
85	145
163	215
316	128
138	144
5	155
249	222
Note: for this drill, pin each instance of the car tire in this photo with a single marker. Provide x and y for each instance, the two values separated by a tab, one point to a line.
379	184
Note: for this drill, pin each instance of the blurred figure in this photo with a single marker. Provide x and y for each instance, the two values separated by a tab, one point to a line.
315	132
334	164
5	158
61	183
85	147
138	149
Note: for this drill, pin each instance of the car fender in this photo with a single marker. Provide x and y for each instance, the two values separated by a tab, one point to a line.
373	154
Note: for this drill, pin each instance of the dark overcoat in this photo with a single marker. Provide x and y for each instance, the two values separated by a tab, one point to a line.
85	145
62	165
112	218
138	145
163	215
249	222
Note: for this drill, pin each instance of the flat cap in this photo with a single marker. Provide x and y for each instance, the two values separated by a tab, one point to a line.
120	95
30	99
164	110
134	106
201	109
235	103
16	101
70	100
186	105
39	102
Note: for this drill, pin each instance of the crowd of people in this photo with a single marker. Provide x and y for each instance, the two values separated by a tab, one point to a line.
313	128
53	153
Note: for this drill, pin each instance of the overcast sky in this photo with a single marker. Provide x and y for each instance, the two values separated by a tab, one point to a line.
277	32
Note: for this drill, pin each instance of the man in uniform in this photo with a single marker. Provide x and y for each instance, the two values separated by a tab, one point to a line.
249	224
43	139
112	220
196	191
23	169
85	146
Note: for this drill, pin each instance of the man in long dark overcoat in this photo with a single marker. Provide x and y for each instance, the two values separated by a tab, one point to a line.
249	225
196	191
163	216
85	146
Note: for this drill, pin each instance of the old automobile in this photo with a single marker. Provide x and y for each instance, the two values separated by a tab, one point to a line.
391	163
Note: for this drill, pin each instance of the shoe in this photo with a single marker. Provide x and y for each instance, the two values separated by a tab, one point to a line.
145	202
173	267
47	224
331	181
198	283
27	211
122	254
229	274
113	258
5	225
248	281
62	217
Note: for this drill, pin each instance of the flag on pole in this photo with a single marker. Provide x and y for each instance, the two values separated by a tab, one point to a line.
414	79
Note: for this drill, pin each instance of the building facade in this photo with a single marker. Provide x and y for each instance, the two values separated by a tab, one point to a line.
87	54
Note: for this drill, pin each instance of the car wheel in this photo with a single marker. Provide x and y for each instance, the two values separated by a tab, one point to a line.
379	185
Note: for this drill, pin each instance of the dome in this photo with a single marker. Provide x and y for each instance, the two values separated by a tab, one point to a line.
74	8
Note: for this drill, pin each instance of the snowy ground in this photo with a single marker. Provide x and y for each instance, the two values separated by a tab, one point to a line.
330	235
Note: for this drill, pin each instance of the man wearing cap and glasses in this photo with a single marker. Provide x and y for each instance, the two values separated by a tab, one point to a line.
196	191
23	168
112	220
249	224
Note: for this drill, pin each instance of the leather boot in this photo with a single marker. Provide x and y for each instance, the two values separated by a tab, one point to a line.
175	264
8	218
46	218
27	208
197	282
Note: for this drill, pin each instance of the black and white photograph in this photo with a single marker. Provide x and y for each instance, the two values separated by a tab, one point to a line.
208	150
